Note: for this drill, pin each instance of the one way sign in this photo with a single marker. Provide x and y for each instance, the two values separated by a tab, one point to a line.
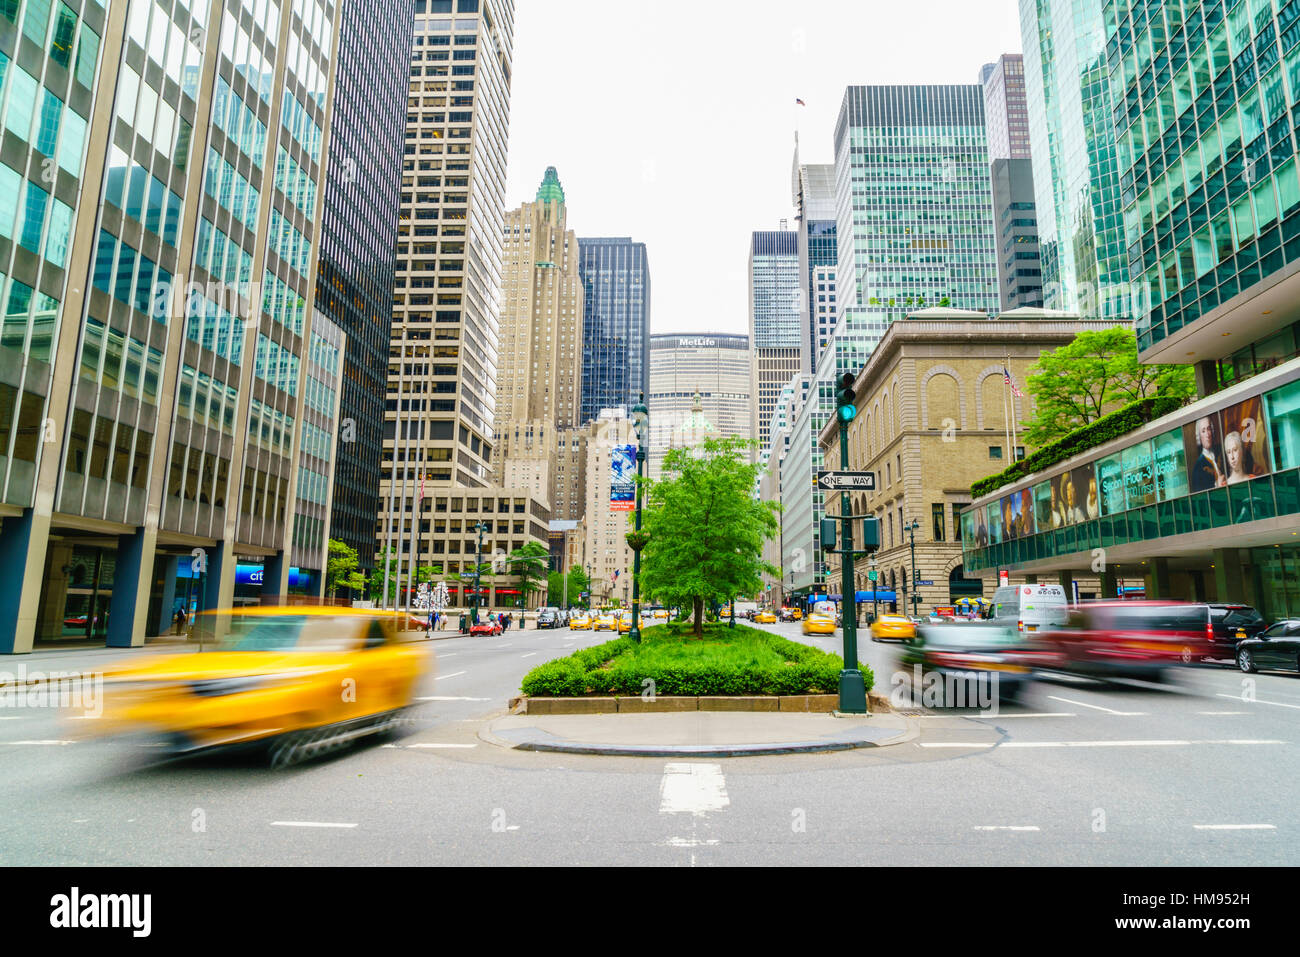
834	481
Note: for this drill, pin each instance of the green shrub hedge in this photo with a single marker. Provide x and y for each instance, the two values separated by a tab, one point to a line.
1113	426
726	662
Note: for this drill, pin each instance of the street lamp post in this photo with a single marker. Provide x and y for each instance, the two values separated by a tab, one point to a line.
911	528
853	689
641	422
875	587
478	567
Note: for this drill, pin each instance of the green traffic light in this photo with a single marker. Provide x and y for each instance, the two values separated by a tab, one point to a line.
847	412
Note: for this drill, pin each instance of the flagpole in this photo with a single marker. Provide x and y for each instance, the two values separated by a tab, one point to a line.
1006	416
1011	421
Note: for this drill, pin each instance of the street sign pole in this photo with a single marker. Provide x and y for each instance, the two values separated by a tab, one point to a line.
853	689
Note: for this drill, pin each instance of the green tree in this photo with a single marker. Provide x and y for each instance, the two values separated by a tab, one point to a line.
704	529
341	569
555	587
529	563
1096	373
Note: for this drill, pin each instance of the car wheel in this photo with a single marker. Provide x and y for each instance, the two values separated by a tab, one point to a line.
1245	662
288	749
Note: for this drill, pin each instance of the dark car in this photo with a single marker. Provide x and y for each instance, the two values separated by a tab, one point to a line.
964	664
1278	646
1232	622
1128	639
548	618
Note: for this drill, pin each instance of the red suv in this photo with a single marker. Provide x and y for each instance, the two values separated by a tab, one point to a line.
1129	639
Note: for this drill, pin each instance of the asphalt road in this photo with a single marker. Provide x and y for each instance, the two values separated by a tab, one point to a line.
1075	773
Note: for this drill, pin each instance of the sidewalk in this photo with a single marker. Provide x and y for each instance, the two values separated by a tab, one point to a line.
719	734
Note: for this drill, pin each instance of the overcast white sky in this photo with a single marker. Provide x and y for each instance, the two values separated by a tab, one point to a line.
673	123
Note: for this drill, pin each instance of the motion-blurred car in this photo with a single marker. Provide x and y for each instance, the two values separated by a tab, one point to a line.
605	621
1278	646
1232	623
971	663
661	614
893	628
819	623
1128	639
790	613
486	628
765	617
581	621
299	681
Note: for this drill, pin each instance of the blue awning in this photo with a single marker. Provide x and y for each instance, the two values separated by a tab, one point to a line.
877	596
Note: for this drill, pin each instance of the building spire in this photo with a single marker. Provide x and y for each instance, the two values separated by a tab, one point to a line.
551	190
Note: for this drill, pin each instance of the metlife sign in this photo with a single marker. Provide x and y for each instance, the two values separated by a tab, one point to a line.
696	342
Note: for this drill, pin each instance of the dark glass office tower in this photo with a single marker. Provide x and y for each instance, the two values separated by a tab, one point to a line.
616	324
358	240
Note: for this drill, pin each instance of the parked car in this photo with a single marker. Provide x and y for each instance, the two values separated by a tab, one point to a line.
1138	639
1278	646
548	618
971	663
1233	622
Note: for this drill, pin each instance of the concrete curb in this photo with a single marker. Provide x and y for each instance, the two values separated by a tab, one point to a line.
536	739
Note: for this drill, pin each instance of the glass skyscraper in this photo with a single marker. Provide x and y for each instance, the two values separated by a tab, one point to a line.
1072	136
164	381
354	279
814	203
615	274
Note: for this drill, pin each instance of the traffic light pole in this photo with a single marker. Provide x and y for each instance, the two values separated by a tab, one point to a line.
853	689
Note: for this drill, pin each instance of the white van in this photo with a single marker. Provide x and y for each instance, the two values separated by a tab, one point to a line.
1031	607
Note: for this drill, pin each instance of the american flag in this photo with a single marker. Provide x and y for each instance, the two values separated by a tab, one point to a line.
800	102
1015	390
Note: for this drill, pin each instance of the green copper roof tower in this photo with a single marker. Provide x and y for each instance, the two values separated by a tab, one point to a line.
550	190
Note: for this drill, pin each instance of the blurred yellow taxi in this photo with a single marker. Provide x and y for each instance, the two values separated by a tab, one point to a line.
661	613
580	622
605	621
765	617
893	627
299	680
819	623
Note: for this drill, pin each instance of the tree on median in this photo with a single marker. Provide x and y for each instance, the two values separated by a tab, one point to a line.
341	569
1096	373
704	529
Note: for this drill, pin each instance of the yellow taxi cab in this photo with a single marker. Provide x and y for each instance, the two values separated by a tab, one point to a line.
605	621
661	613
624	622
580	622
819	623
765	617
298	680
893	627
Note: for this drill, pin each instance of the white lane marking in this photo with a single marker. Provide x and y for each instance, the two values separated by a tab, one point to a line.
997	717
1005	827
454	674
310	824
1235	827
2	743
689	842
690	788
1280	704
442	745
1094	744
10	717
1222	712
529	655
449	655
1097	707
450	698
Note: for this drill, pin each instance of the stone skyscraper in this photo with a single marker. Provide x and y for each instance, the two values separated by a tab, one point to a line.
540	366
